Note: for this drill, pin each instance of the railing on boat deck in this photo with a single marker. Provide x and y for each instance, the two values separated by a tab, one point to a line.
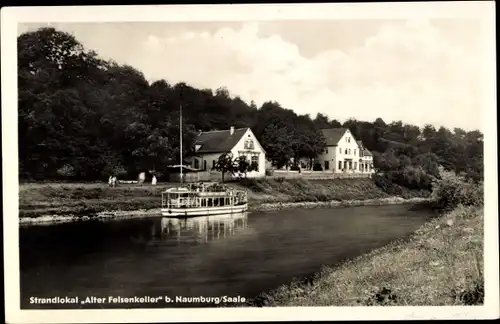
232	198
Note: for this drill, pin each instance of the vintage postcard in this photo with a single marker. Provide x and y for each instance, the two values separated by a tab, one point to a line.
255	162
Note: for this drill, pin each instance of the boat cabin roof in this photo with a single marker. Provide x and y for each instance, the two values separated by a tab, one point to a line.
177	190
201	186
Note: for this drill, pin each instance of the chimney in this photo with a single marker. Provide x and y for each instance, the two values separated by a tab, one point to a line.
231	130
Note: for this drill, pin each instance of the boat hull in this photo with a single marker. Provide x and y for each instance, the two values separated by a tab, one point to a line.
203	211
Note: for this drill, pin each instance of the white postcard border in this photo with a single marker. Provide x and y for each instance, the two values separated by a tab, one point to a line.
11	17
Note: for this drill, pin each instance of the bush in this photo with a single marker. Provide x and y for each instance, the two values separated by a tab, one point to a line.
474	176
252	184
66	171
473	295
453	190
386	183
116	170
414	178
380	297
294	168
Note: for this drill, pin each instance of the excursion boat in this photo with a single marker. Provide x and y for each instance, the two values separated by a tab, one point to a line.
202	199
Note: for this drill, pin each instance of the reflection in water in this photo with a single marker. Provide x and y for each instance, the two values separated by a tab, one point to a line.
192	230
202	229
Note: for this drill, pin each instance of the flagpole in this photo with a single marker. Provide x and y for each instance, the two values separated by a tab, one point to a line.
180	136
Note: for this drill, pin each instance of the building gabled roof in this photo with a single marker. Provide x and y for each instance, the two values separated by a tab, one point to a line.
366	152
333	135
363	149
219	141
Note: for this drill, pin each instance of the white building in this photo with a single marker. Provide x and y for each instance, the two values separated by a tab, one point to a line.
366	159
239	142
343	154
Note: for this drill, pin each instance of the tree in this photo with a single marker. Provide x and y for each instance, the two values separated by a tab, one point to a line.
354	126
404	161
84	117
428	132
225	164
55	125
387	161
379	130
243	166
411	133
321	121
278	142
310	140
335	124
429	162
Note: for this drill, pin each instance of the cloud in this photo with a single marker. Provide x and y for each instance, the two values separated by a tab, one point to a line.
405	72
416	71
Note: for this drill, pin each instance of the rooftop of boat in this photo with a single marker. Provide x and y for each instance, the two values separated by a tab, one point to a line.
200	187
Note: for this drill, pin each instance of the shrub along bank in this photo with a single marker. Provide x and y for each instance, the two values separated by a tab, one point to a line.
37	199
300	190
442	264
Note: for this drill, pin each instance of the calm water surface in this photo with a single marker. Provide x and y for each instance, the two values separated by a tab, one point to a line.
239	255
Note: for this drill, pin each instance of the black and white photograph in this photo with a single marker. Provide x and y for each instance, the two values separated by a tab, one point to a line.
250	162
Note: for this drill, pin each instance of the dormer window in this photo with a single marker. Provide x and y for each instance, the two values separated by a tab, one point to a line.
249	145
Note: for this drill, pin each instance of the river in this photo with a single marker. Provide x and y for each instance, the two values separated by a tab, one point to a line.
239	255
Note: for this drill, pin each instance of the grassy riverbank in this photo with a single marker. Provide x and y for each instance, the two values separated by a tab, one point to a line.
39	199
442	264
299	190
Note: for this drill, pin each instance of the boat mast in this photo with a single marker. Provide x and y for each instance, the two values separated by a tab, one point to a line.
180	136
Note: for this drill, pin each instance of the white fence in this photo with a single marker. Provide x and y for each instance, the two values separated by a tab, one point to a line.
277	174
316	175
201	176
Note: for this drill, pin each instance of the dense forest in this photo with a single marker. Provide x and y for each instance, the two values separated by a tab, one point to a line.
82	117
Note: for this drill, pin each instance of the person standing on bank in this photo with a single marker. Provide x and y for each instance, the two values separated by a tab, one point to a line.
153	183
142	177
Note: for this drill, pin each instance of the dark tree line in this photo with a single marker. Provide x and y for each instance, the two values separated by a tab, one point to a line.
82	117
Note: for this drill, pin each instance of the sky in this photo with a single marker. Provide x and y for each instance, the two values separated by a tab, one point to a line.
416	71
